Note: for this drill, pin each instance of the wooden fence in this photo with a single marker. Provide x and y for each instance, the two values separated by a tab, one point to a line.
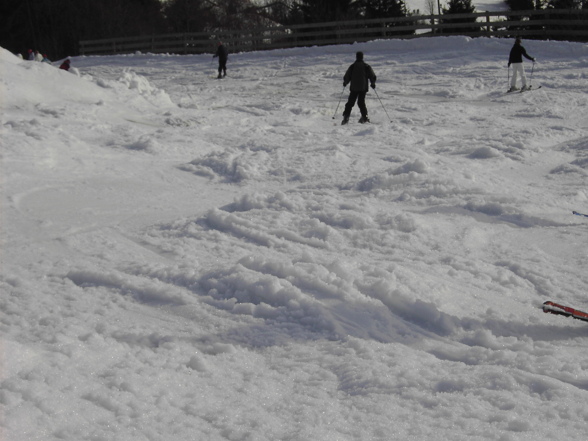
542	24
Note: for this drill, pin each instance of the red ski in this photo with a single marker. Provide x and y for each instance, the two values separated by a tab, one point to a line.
556	308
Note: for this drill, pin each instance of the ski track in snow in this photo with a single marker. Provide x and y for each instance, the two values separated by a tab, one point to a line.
202	259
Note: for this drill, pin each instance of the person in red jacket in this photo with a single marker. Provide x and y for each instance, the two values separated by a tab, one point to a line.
65	65
516	59
358	75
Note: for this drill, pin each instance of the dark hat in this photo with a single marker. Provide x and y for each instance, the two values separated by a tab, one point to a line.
359	55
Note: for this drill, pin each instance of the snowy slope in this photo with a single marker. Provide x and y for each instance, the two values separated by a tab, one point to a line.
193	259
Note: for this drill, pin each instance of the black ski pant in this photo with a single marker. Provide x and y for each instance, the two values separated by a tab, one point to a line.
222	66
353	97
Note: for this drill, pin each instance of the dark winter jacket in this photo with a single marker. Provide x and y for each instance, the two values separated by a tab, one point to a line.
221	53
516	54
358	74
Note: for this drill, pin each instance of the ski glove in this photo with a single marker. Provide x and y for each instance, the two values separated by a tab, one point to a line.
373	85
344	84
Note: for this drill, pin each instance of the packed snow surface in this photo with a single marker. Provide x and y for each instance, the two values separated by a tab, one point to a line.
186	258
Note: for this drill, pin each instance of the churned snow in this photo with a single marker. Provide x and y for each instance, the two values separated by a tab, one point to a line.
197	259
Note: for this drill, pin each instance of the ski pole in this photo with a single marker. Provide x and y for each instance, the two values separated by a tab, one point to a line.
341	96
508	77
382	104
532	69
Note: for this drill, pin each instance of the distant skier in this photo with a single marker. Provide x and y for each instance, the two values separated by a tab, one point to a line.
31	55
223	55
38	56
516	59
65	65
358	75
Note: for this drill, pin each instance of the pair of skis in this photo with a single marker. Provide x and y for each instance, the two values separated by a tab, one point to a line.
566	311
528	89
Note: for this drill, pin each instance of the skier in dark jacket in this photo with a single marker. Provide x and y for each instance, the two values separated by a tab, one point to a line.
516	59
358	75
223	55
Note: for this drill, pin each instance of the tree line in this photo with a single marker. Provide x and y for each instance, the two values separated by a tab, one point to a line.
54	27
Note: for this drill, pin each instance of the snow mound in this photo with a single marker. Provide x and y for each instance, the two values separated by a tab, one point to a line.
9	57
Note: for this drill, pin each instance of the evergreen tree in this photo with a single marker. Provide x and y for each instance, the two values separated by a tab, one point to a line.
188	15
459	7
323	11
372	9
383	8
520	5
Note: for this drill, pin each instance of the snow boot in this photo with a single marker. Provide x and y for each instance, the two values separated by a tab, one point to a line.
364	119
345	120
512	89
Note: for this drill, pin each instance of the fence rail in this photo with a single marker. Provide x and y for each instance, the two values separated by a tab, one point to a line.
543	24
